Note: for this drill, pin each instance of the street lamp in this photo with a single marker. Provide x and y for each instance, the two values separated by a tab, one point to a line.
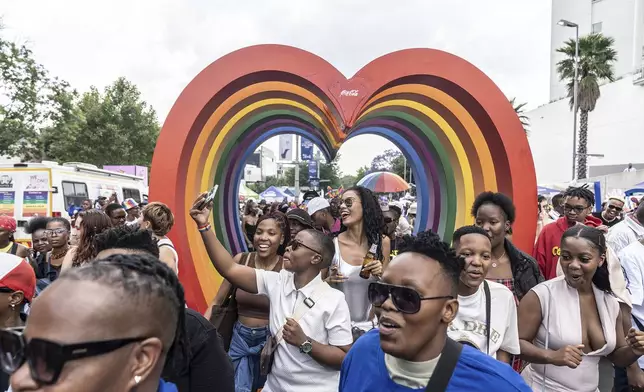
566	23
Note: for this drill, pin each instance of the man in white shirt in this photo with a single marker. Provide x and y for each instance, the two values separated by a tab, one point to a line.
309	320
470	324
628	230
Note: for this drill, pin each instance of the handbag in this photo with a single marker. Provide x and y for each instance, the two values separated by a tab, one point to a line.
267	355
224	316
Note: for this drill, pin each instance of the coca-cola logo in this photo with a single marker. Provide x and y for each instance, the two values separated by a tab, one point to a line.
349	93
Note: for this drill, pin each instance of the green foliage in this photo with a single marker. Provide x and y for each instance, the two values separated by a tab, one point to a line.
520	111
596	58
363	171
42	117
348	181
391	161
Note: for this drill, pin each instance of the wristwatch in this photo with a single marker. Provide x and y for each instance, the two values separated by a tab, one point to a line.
306	347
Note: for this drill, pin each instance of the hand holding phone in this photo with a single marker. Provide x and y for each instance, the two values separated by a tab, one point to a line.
209	198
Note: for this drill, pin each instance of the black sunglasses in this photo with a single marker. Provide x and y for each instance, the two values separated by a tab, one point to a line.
46	359
405	299
294	244
612	207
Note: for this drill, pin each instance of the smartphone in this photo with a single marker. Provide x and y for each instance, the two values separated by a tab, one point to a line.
209	197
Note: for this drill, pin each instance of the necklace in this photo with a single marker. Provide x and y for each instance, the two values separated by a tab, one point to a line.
59	254
494	264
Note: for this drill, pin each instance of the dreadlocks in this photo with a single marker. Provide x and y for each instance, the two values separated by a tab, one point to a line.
581	192
149	282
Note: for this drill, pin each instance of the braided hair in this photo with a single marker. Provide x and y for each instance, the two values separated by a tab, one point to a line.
581	192
143	277
372	218
282	222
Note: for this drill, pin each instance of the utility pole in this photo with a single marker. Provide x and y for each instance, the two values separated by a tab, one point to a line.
297	168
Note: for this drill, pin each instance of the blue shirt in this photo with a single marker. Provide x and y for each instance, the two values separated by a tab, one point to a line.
166	387
364	370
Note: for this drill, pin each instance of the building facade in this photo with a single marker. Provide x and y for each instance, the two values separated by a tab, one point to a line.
616	126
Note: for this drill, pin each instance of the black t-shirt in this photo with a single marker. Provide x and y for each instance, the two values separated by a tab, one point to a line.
604	221
4	381
209	368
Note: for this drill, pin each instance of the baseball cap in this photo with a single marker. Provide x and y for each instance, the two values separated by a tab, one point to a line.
128	204
316	204
17	275
301	216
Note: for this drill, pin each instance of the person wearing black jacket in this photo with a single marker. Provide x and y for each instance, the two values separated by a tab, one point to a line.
208	368
495	213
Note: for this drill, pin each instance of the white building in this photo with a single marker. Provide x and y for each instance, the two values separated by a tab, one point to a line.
616	126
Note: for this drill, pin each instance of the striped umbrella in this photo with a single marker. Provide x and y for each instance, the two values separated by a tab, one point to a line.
384	182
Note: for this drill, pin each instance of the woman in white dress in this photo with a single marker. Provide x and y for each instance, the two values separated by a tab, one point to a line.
568	323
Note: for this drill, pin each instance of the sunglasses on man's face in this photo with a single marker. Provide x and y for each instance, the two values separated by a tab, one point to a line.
577	209
612	207
46	359
294	244
405	299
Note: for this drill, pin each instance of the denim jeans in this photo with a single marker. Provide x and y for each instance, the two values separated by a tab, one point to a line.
245	348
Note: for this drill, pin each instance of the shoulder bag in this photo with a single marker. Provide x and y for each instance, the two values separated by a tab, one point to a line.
225	315
445	366
272	342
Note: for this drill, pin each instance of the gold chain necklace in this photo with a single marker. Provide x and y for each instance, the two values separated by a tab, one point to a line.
494	264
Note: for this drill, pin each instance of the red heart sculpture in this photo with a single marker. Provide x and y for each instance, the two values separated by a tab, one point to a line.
449	119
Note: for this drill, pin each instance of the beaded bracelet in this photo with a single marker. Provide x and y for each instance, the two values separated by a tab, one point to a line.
204	228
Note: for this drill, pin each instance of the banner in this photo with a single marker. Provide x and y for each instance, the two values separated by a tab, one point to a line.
34	203
313	170
7	203
306	149
286	147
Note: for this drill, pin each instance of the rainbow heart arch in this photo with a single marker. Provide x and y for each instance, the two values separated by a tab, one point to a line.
453	124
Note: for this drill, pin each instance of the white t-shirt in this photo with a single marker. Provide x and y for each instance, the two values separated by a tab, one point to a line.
327	322
632	259
469	325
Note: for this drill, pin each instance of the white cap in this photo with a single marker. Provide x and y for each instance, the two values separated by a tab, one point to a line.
316	204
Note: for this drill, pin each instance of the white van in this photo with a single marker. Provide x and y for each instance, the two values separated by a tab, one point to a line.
50	189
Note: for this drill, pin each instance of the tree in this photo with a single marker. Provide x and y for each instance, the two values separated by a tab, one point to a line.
348	181
596	58
363	171
119	127
35	108
391	160
519	110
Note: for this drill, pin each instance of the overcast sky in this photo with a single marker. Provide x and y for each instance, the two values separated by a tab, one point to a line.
162	44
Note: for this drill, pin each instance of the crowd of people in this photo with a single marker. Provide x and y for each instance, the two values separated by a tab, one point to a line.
332	295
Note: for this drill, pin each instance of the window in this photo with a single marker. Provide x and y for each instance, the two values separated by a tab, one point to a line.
596	28
129	193
74	193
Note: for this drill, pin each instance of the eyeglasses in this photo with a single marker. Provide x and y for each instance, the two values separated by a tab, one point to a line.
577	209
405	299
294	244
349	202
612	207
57	232
46	359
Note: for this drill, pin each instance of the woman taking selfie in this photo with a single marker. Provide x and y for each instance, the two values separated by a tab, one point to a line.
251	328
362	225
568	323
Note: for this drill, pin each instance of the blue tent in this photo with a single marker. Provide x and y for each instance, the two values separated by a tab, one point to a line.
542	190
638	188
274	193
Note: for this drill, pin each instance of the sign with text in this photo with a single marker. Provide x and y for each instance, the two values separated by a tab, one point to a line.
306	147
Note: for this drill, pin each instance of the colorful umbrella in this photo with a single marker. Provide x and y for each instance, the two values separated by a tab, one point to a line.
384	182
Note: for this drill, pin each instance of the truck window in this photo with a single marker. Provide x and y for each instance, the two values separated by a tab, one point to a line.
74	193
130	193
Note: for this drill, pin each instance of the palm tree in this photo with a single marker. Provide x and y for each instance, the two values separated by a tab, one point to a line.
518	108
596	58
